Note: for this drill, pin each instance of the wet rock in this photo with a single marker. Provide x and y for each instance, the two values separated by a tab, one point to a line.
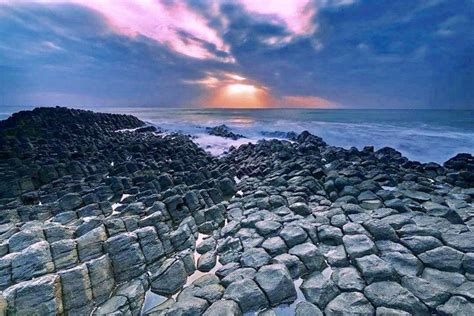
318	289
310	255
40	296
274	246
456	305
292	263
64	254
375	269
255	258
429	293
206	262
70	201
89	245
348	279
442	258
307	309
76	290
191	306
404	264
223	308
169	278
32	262
265	228
349	303
393	295
247	294
359	245
293	235
101	278
419	244
237	275
275	280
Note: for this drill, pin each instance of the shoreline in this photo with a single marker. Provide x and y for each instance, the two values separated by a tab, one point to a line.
92	219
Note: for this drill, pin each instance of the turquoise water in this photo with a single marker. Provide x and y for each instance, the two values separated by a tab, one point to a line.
424	135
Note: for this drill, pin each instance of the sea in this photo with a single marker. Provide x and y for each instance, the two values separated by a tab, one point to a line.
422	135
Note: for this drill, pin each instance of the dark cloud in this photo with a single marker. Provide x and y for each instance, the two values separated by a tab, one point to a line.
371	53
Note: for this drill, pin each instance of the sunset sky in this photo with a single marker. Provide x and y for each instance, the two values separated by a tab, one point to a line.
242	53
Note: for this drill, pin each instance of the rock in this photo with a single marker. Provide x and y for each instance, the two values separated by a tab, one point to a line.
210	293
293	235
127	258
375	269
300	209
274	246
227	187
223	308
348	279
64	254
275	281
292	263
101	277
419	244
319	289
358	245
40	296
349	303
150	244
442	258
456	305
307	309
381	231
247	294
384	311
23	239
404	264
330	235
430	294
265	228
206	245
393	295
206	262
444	279
169	278
76	290
70	201
237	275
32	262
463	241
309	254
191	306
89	245
255	258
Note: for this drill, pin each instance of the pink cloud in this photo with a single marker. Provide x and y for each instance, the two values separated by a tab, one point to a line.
296	15
301	101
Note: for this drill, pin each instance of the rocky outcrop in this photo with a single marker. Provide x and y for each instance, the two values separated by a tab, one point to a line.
97	216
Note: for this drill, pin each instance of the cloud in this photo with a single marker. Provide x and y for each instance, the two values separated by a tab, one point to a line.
305	102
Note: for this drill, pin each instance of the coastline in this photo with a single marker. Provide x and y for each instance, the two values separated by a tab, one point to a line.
94	220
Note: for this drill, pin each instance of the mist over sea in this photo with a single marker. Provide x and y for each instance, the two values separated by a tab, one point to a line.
423	135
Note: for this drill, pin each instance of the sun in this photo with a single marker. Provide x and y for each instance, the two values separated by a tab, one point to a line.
239	88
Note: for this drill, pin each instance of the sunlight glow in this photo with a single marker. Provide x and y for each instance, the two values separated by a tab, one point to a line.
241	89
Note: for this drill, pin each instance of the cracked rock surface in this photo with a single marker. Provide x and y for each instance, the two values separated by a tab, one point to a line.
101	214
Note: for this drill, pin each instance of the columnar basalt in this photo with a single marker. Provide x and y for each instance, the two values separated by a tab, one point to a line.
97	210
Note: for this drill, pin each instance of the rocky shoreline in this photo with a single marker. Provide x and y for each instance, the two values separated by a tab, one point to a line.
100	214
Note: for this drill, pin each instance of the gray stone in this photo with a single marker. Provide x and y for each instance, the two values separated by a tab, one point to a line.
223	308
384	311
255	258
431	294
274	246
210	293
381	231
310	255
375	269
70	201
41	296
206	262
32	262
247	294
25	238
442	258
239	274
318	289
293	235
393	295
265	228
358	246
169	278
456	305
64	254
330	235
307	309
206	245
275	281
101	277
89	245
76	290
300	208
348	279
419	244
127	258
349	303
447	280
190	306
405	264
292	263
463	241
335	255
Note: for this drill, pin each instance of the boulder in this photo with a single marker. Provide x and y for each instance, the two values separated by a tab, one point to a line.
275	281
247	294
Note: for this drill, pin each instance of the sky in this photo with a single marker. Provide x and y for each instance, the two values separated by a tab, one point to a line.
240	53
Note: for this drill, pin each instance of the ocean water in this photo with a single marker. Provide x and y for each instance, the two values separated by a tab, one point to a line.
423	135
